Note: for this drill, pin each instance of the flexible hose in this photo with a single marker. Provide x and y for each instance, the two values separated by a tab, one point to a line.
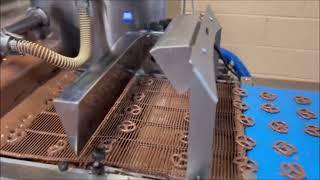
239	67
56	59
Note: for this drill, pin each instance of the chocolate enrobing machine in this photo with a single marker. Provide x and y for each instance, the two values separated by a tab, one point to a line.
125	92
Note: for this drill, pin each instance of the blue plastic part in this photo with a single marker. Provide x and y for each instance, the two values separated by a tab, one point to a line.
308	147
239	67
127	17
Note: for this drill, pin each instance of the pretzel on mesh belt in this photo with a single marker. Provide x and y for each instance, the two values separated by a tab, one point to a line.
107	145
312	130
306	114
180	160
26	121
270	108
267	96
302	100
57	148
279	126
240	105
127	126
245	141
133	110
245	164
293	170
284	148
16	135
146	82
245	120
186	117
184	137
240	92
139	96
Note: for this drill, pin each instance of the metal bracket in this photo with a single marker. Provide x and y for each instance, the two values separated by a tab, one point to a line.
204	98
186	55
173	50
8	40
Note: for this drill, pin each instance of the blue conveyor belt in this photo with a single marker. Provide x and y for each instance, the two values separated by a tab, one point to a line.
308	147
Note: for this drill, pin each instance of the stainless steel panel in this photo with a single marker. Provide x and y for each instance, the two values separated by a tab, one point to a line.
143	11
83	105
173	50
203	57
201	129
204	100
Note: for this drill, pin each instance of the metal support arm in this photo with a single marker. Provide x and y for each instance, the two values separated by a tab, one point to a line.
186	55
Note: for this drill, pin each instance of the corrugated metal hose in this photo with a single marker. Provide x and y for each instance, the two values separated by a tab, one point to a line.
56	59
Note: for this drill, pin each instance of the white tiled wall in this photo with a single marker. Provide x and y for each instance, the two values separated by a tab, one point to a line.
276	39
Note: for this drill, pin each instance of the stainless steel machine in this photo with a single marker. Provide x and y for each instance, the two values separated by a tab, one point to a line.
128	94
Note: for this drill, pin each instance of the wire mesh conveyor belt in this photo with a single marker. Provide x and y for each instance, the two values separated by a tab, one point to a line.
143	130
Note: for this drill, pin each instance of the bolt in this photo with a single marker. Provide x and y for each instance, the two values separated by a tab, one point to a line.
97	168
98	154
190	61
245	78
211	18
96	164
63	166
201	16
204	50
